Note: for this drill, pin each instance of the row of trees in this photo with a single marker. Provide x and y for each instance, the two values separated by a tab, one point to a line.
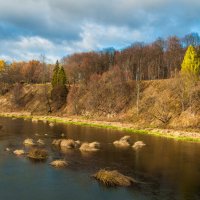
159	60
33	71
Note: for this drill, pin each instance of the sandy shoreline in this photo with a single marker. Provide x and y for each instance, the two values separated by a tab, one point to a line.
168	133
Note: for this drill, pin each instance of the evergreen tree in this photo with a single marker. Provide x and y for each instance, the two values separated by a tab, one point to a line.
59	91
191	62
54	80
62	79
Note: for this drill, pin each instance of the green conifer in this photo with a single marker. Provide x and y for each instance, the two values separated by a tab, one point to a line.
54	80
62	79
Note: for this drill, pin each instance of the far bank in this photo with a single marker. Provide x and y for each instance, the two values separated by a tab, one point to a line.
162	107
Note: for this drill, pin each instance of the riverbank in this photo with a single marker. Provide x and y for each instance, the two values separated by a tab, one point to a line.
192	136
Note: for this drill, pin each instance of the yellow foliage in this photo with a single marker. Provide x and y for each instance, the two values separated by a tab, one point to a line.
2	65
191	62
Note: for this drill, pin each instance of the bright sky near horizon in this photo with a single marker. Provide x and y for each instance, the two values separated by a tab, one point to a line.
29	28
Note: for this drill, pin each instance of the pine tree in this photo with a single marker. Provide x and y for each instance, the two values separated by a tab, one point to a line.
54	80
191	62
59	91
62	79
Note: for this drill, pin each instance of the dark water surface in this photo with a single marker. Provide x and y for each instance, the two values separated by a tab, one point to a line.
168	169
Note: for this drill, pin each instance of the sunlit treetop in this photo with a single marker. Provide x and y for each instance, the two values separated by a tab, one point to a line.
2	65
191	62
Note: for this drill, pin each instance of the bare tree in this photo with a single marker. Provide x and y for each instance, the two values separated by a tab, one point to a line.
46	86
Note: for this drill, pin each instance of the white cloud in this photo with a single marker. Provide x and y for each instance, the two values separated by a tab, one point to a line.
92	37
27	48
96	36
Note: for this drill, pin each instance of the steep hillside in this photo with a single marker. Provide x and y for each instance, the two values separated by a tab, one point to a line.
162	103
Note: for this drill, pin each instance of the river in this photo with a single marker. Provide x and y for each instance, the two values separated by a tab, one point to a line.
166	169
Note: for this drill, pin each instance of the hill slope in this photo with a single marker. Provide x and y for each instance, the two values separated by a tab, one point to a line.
162	103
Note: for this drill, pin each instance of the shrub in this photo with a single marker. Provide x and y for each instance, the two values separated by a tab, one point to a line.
59	95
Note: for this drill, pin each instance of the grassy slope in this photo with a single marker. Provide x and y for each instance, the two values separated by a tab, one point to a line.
154	95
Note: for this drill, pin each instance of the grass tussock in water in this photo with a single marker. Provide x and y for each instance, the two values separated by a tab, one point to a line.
138	145
19	152
113	178
89	147
59	163
29	142
38	154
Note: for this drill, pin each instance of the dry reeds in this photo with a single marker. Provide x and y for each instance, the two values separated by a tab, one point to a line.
138	145
59	163
19	152
38	154
113	178
89	147
123	142
29	142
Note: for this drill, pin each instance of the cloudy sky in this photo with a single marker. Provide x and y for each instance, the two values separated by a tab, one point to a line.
29	28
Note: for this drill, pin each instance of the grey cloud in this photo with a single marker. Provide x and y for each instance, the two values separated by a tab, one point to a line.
80	25
63	18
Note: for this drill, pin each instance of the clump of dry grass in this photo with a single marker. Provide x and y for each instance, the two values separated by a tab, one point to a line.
59	163
126	138
89	147
68	143
138	145
29	142
113	178
19	152
38	154
123	142
119	143
51	124
95	145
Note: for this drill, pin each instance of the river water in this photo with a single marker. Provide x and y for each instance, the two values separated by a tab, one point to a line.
166	169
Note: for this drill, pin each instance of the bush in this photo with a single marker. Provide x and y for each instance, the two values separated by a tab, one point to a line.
59	95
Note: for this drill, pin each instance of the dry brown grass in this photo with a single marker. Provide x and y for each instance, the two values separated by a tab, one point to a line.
19	152
38	154
90	147
138	145
123	142
113	178
59	163
29	142
68	143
